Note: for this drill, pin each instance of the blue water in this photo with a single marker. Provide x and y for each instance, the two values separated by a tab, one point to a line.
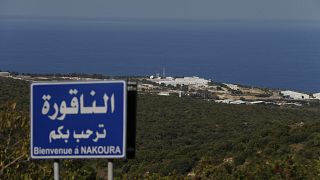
274	55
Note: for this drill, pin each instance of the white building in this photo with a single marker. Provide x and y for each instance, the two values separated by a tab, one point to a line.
189	81
238	102
164	93
4	74
295	95
256	102
232	86
316	95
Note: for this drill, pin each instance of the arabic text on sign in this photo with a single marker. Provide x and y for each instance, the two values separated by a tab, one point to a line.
61	111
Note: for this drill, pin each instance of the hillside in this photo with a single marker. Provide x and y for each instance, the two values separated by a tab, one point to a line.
180	136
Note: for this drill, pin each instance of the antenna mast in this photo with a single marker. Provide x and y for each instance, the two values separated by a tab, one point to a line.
164	72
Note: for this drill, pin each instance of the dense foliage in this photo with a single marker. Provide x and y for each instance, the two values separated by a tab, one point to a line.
180	137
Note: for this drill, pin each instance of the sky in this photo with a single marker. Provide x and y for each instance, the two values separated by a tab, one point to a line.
166	9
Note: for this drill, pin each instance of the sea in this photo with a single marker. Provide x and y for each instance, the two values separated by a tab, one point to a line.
269	54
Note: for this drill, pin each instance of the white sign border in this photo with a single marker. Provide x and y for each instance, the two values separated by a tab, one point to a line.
123	155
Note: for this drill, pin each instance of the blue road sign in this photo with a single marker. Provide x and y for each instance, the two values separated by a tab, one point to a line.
78	119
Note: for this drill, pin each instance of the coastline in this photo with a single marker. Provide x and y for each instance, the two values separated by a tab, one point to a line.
193	86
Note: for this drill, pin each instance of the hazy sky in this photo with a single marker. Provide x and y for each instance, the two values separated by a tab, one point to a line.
175	9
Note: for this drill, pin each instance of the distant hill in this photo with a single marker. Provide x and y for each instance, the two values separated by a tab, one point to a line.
179	137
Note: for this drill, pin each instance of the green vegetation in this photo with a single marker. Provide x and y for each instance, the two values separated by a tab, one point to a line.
14	91
177	137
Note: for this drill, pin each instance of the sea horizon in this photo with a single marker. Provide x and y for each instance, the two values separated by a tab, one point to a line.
279	55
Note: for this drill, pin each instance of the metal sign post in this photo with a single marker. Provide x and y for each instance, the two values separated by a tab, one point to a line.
110	169
56	169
